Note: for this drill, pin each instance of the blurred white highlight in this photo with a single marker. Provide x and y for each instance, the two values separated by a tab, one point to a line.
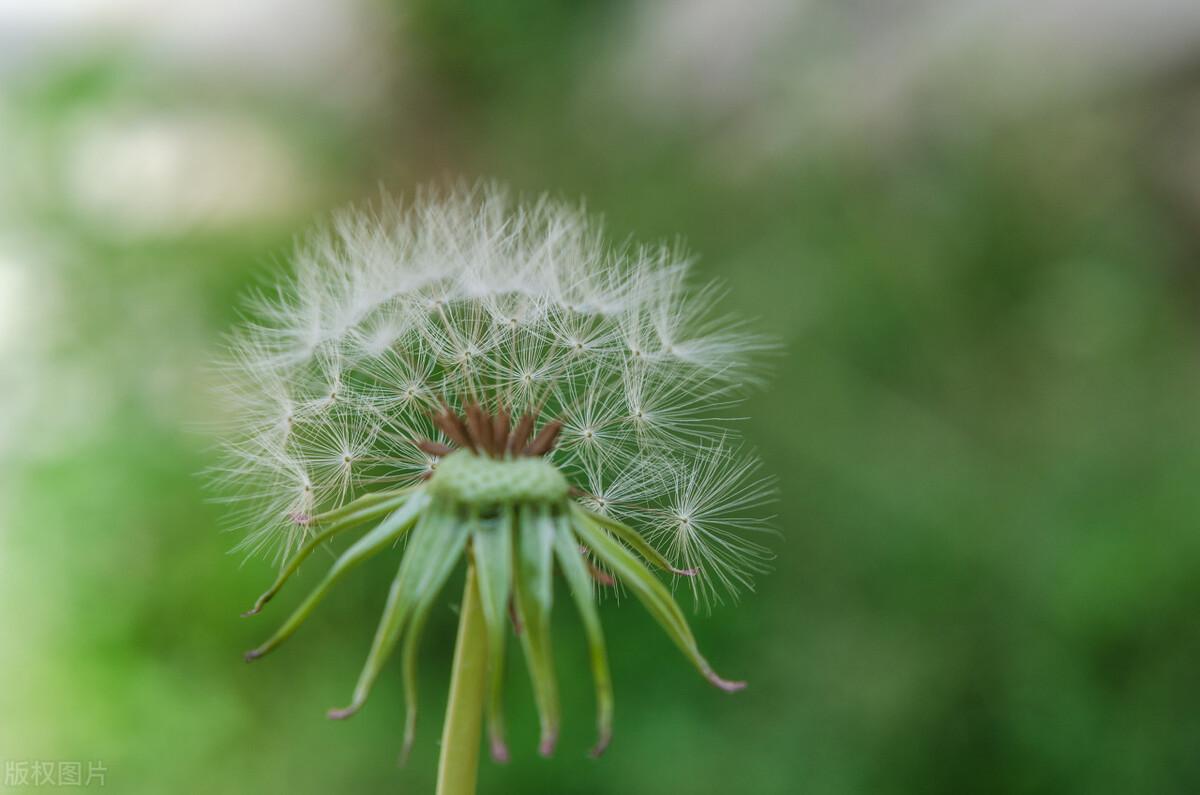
334	51
14	300
164	174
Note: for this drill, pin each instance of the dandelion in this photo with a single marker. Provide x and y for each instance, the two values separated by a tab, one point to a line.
491	382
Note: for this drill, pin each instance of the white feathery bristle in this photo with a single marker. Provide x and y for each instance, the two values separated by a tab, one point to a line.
469	296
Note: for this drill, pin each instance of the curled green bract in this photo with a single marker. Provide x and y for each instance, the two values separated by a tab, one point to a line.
514	519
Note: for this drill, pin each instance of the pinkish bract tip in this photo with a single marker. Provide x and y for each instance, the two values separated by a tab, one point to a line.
499	751
252	655
546	748
600	747
685	572
725	684
341	714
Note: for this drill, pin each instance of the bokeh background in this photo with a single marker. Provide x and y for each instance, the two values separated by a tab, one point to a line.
974	225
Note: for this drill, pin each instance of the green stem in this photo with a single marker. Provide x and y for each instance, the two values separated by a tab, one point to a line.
459	762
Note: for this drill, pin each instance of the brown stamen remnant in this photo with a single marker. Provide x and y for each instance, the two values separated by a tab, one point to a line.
434	448
500	430
600	575
450	424
515	617
479	426
484	433
520	434
545	439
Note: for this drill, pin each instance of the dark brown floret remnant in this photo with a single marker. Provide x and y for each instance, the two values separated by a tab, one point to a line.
491	434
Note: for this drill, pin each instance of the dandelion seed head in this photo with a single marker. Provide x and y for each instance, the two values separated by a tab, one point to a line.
468	297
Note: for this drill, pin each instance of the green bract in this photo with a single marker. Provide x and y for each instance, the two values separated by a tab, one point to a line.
513	519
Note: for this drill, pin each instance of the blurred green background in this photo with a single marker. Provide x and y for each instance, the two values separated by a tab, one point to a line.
974	225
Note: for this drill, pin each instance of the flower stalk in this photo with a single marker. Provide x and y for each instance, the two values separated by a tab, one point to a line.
458	765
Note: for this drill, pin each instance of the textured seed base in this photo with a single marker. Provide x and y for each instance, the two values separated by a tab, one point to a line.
473	480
